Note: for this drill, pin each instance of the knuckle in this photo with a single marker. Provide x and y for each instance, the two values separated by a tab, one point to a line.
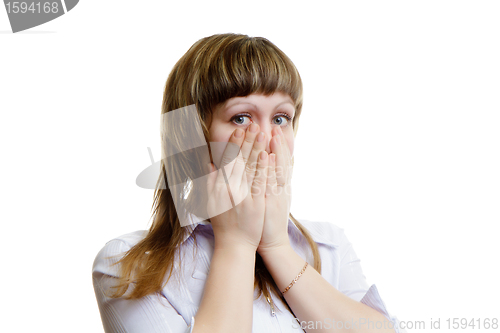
249	139
259	181
249	168
239	161
225	160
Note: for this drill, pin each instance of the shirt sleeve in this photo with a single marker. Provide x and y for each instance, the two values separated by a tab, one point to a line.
352	283
152	313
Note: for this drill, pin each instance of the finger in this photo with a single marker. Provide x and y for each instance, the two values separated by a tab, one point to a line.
288	159
251	165
222	175
260	180
289	173
231	151
271	186
246	148
238	168
211	178
250	136
280	168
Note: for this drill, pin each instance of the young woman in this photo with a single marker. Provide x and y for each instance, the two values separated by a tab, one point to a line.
224	253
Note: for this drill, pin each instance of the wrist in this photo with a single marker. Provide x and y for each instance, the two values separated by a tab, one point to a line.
276	251
234	246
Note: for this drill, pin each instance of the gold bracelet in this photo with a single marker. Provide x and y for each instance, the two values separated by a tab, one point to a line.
296	278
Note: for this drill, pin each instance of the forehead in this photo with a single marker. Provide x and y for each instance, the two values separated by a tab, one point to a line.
255	99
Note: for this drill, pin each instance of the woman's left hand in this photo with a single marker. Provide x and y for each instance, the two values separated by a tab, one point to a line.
278	195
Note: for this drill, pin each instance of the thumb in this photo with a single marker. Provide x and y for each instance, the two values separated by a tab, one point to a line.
211	177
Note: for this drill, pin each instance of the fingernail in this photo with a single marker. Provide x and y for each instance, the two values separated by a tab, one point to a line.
278	140
280	131
263	155
260	137
253	128
238	133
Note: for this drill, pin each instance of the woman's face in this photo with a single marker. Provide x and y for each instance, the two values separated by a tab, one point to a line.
239	112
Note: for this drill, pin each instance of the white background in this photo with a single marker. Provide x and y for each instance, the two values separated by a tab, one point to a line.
398	143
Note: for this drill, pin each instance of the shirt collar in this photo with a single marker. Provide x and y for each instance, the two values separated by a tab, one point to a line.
317	236
195	222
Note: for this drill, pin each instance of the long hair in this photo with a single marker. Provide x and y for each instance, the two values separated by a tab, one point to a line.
213	70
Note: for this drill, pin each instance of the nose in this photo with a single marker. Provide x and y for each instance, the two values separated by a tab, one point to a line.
267	128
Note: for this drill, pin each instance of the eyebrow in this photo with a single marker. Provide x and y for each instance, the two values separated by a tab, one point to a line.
289	101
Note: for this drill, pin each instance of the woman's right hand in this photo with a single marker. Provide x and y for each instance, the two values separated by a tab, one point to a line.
238	206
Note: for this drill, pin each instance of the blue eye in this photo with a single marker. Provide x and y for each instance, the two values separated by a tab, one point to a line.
284	119
240	119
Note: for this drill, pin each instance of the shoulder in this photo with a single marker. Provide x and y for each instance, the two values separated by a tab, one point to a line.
326	233
114	250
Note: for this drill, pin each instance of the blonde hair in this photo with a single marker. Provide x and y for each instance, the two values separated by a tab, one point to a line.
213	70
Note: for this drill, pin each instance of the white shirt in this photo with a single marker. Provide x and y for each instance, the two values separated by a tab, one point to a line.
173	311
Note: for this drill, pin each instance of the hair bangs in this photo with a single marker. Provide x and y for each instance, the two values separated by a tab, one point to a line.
241	66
